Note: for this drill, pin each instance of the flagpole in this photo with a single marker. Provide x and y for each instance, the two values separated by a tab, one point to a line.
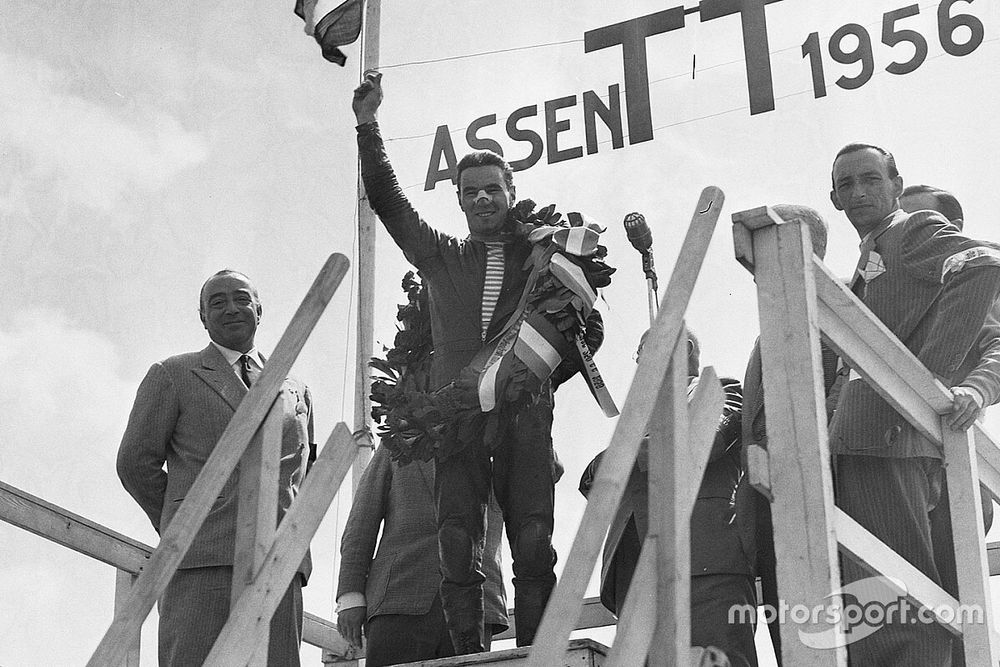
366	270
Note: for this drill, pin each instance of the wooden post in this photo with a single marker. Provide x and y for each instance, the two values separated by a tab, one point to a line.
805	542
257	512
669	520
637	623
250	617
564	606
366	270
969	542
123	583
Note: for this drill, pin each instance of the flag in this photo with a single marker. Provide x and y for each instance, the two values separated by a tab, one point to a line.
332	24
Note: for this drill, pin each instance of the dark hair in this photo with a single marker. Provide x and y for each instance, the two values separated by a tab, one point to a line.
817	225
890	161
948	205
225	272
485	159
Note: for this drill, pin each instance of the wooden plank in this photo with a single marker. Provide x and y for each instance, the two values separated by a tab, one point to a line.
367	226
581	652
969	542
564	605
257	511
704	410
177	538
99	542
858	543
796	418
669	514
757	218
251	615
123	582
638	617
759	470
592	615
878	356
318	631
70	530
743	246
988	460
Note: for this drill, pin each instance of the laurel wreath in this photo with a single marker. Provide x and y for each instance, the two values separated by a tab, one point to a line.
417	423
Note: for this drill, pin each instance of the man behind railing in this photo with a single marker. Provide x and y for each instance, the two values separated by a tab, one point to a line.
933	288
181	409
920	198
721	575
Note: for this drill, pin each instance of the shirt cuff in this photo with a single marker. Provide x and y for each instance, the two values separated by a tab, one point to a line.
977	396
351	600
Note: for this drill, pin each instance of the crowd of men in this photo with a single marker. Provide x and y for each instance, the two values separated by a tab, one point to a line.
420	575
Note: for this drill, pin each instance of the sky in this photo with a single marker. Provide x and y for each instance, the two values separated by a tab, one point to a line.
145	145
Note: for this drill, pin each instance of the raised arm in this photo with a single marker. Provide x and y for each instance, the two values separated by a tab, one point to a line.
418	240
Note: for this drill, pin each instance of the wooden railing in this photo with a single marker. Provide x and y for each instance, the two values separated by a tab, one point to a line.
121	552
799	301
659	624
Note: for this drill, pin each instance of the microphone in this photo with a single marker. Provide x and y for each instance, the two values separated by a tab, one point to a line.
641	239
638	232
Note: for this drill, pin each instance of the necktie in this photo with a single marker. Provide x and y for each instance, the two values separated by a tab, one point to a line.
492	283
245	370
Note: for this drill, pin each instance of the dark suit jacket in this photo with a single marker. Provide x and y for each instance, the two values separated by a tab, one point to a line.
935	295
454	269
181	409
404	575
716	544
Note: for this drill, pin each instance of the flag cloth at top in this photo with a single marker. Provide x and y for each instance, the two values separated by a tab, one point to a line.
332	23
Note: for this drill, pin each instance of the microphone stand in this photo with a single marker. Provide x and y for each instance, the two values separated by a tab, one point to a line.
651	286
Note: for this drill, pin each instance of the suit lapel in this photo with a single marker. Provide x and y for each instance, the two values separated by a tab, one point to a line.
218	375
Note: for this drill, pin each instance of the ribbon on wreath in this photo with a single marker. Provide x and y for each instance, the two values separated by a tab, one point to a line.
528	336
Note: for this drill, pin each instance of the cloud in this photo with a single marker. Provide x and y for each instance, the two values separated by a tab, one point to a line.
96	156
64	408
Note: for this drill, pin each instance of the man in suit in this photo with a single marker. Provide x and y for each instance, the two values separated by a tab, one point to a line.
721	572
395	597
753	510
933	288
474	285
987	346
181	409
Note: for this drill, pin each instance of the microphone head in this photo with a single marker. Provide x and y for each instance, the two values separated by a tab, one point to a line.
638	232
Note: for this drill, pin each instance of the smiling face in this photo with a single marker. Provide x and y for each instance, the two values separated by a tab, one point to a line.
863	188
230	311
485	198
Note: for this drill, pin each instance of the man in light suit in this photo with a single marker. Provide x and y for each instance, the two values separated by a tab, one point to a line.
394	597
181	409
933	288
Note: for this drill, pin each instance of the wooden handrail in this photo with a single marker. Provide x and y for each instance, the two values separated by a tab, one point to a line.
786	271
609	485
89	538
